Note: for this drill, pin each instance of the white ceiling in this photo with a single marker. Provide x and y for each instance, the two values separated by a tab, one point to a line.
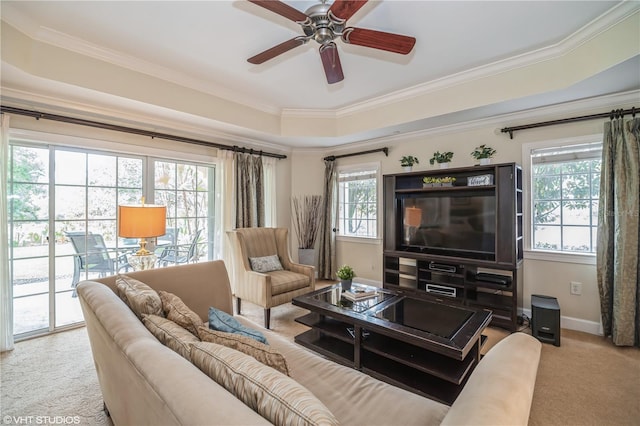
204	45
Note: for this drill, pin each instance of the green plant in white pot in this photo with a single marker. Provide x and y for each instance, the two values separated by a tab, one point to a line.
442	158
408	161
346	274
483	153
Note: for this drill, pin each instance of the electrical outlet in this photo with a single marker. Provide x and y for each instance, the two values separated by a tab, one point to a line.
576	288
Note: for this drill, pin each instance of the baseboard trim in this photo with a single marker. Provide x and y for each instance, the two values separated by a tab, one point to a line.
576	324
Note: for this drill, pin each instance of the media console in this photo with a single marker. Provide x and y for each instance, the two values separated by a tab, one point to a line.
461	243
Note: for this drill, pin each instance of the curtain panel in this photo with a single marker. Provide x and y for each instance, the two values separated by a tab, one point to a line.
327	248
249	191
618	244
6	288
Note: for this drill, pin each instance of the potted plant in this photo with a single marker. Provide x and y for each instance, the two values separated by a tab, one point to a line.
306	222
346	274
447	180
483	153
427	182
408	161
443	159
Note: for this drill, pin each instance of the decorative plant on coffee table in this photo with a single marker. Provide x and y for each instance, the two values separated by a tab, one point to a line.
346	274
306	222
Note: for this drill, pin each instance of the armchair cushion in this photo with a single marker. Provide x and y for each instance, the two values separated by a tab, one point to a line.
222	321
286	281
265	263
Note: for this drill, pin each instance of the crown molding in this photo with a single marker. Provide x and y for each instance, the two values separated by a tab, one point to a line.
580	107
65	41
589	31
150	121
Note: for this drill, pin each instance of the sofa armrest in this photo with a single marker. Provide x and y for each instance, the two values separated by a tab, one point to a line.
500	389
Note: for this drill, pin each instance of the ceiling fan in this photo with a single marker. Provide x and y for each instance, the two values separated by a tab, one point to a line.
324	23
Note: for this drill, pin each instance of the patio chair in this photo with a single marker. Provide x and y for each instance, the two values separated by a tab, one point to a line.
92	255
180	254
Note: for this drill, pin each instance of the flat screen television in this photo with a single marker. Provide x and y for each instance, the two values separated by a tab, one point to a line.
449	225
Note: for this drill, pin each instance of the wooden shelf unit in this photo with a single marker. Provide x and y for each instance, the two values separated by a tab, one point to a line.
452	278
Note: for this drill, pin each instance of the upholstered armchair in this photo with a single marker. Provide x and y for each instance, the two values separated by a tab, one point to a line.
266	289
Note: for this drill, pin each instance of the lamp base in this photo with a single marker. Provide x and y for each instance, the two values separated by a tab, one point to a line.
142	262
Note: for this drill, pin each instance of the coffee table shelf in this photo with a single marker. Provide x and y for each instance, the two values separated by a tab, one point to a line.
432	363
328	326
336	349
410	379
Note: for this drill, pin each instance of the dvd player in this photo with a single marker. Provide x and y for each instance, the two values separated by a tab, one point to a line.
493	278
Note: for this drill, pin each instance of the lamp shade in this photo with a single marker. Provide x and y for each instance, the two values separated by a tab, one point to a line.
143	221
413	216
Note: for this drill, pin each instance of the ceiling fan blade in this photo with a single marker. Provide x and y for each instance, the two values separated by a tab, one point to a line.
276	50
379	40
331	63
345	9
282	9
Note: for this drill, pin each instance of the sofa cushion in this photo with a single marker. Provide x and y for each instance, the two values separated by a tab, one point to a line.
286	281
263	353
267	391
176	310
222	321
170	334
141	299
265	263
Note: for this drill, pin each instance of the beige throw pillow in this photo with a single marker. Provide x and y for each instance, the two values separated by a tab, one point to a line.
175	310
170	334
263	353
276	397
141	299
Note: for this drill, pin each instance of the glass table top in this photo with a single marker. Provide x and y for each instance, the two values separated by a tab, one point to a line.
335	296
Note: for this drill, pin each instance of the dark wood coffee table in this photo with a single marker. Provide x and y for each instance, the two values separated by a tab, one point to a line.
425	347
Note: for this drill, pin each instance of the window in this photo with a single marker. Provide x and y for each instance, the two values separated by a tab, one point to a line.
565	184
358	202
62	214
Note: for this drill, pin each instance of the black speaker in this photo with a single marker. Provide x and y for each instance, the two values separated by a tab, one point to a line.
545	319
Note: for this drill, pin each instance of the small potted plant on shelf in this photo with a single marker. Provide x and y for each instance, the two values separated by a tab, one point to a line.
484	154
408	161
443	159
427	182
447	180
346	274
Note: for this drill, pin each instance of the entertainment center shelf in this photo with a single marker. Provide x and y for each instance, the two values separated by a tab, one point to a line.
460	244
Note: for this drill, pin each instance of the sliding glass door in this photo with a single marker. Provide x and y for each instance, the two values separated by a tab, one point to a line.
63	223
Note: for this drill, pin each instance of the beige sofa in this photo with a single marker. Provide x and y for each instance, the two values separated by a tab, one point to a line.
145	383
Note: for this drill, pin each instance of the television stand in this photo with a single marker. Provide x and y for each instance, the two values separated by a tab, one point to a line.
457	243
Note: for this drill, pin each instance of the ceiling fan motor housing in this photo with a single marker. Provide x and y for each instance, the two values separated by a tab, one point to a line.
323	27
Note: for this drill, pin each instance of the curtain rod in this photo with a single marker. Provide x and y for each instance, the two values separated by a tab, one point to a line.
153	135
616	113
335	157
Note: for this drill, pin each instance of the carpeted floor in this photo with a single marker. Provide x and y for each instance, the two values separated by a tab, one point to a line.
586	381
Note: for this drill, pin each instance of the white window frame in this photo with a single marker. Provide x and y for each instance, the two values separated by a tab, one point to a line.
529	252
357	168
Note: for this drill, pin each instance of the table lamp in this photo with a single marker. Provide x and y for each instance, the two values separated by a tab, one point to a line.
142	221
412	220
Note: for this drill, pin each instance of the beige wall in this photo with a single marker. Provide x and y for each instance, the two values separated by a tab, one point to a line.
548	277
